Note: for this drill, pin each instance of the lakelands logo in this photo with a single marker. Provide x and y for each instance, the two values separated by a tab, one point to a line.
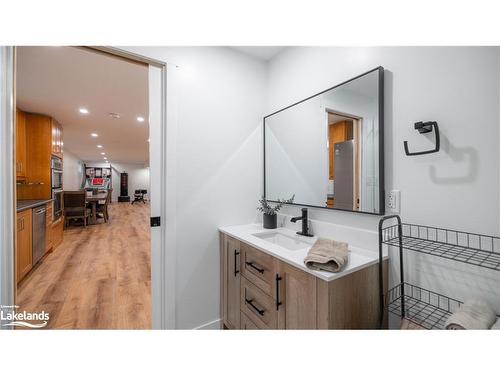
9	317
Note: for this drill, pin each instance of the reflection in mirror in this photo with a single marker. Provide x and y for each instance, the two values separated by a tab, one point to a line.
327	149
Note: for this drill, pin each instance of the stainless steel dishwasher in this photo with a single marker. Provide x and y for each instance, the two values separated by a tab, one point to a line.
39	223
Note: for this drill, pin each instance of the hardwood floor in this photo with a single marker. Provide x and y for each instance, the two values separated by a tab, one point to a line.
99	277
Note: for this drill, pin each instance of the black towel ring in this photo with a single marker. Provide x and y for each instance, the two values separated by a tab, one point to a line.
425	127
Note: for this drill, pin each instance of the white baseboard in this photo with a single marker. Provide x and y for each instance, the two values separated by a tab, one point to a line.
210	325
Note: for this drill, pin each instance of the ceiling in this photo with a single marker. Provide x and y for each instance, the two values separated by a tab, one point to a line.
262	52
57	81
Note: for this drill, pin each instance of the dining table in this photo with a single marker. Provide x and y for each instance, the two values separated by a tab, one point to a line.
93	200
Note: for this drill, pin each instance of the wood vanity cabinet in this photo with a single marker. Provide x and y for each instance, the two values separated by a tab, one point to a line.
231	282
276	295
20	145
298	298
246	323
24	258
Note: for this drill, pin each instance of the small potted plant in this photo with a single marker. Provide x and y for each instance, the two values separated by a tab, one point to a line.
270	217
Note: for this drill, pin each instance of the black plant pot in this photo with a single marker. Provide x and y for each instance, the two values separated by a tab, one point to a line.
270	221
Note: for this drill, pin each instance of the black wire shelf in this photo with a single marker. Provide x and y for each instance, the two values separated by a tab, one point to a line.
421	306
471	248
418	305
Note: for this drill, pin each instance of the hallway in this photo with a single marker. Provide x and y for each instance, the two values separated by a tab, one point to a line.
98	278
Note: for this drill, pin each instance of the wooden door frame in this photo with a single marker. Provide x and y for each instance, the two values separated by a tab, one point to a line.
163	275
357	133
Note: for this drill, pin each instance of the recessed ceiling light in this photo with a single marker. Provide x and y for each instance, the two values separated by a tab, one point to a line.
107	161
105	158
99	146
83	111
103	153
140	119
94	135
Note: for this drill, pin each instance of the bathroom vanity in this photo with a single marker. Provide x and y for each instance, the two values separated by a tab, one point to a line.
325	151
265	284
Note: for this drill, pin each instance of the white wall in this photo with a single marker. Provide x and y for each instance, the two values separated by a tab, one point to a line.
456	188
72	171
138	178
218	164
219	143
296	153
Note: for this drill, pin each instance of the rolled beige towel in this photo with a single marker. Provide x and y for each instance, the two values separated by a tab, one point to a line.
473	314
327	255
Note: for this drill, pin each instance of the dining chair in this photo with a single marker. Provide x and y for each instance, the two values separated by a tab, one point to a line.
102	206
139	196
75	206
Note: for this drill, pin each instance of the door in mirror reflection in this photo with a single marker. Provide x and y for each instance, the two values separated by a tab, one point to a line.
327	149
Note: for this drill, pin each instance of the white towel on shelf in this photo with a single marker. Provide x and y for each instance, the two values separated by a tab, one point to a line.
473	314
496	325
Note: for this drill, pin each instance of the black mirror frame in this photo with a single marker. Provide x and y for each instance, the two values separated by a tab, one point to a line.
381	153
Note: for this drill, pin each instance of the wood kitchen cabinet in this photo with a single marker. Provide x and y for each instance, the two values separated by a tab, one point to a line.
39	148
24	258
57	139
20	145
56	234
38	138
48	227
276	295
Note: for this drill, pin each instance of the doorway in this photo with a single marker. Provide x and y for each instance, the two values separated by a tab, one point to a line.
55	289
344	161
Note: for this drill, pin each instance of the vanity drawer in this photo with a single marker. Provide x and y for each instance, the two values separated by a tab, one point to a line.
258	306
258	267
247	323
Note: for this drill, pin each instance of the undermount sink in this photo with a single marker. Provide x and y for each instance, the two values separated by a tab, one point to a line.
288	241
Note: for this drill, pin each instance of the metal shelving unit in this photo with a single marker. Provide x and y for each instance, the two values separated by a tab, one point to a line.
424	307
471	248
421	306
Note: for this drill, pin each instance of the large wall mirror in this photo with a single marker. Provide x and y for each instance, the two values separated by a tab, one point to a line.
327	150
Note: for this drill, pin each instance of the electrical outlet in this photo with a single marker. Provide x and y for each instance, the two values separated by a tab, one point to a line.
393	201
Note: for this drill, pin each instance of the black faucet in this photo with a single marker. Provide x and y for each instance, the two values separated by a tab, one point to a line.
305	226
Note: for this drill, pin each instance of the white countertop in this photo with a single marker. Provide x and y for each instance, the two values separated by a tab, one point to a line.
358	258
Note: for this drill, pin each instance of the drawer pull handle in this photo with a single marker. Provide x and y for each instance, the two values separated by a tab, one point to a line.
258	269
278	302
250	302
236	253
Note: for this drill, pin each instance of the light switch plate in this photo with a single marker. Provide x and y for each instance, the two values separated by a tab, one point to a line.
394	201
